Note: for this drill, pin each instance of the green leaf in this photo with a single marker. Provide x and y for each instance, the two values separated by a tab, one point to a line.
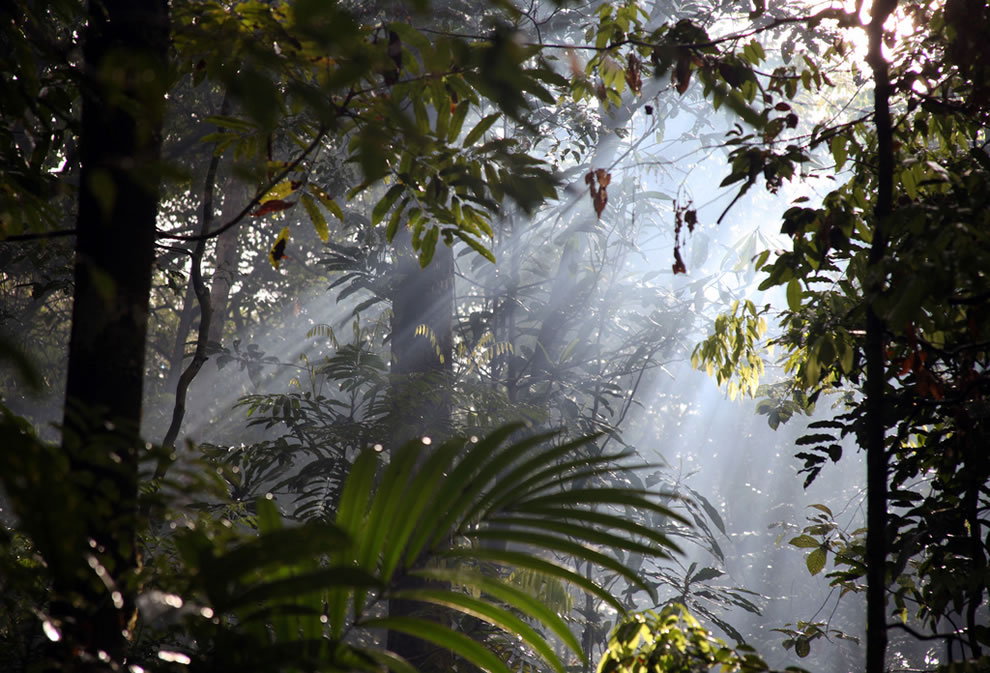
477	245
458	643
387	201
574	531
354	500
838	146
393	224
479	130
822	508
389	660
327	202
794	295
410	35
804	542
269	518
422	492
608	521
422	118
488	612
303	584
457	120
316	217
574	549
816	561
428	246
280	546
510	595
517	559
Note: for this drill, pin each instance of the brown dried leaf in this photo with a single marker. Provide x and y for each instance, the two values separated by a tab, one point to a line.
633	78
682	73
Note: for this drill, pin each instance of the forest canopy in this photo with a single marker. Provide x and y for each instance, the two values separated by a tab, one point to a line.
495	225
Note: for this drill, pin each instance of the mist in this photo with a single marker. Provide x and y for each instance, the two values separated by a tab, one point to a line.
547	263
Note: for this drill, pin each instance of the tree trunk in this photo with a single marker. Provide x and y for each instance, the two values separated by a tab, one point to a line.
178	355
236	194
125	78
421	373
422	343
876	369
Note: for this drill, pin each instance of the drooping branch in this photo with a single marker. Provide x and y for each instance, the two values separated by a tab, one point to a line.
234	221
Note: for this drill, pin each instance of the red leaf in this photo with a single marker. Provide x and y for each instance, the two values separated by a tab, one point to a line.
273	206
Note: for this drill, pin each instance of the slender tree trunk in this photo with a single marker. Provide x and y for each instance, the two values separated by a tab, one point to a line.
205	316
236	194
876	369
124	70
178	354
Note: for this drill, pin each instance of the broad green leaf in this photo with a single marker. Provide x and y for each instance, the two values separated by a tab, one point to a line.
269	518
282	546
389	660
386	202
816	561
476	245
441	106
616	522
479	130
515	559
410	35
838	146
428	246
457	120
574	549
804	541
422	117
516	483
351	512
508	594
303	584
422	491
482	468
846	357
909	183
794	295
393	224
573	531
389	496
488	612
458	643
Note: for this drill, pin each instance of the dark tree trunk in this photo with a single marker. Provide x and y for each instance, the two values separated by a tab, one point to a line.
178	354
125	63
876	369
422	343
421	371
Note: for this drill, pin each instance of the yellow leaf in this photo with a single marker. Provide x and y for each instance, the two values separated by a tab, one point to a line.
319	222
